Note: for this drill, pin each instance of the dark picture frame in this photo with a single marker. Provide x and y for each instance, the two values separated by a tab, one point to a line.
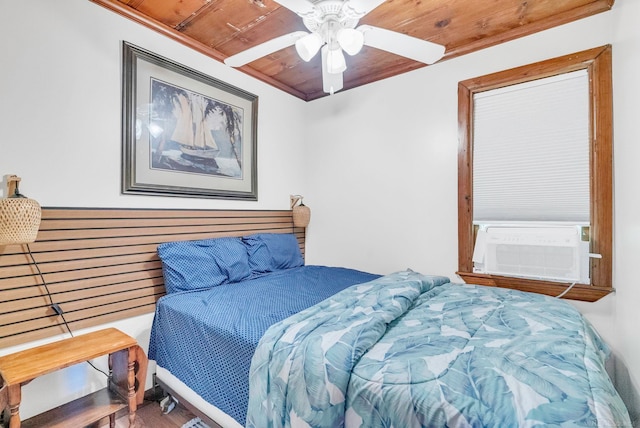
185	133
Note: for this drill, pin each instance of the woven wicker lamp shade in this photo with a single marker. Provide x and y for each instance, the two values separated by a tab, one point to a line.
301	213
19	218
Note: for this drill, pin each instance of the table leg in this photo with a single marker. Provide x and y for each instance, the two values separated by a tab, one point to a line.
15	396
131	382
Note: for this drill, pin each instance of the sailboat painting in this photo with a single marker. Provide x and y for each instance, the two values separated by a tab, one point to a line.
190	132
185	133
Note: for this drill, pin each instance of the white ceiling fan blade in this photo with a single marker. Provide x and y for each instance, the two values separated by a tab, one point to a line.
401	44
364	6
331	82
301	7
264	49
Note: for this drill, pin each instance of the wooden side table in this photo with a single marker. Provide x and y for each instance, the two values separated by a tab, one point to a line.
127	370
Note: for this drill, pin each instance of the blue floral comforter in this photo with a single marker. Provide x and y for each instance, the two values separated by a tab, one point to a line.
408	350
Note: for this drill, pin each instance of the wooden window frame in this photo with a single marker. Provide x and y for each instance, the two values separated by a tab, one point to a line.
597	62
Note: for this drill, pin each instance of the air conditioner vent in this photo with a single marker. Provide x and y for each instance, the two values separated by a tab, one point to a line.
549	253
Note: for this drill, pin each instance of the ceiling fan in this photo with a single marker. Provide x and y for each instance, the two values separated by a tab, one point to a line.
332	31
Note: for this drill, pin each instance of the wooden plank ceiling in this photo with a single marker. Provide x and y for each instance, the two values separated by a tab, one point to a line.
220	28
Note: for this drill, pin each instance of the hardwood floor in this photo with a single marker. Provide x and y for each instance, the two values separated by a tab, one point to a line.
149	415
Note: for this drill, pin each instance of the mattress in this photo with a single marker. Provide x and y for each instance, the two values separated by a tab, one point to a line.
206	338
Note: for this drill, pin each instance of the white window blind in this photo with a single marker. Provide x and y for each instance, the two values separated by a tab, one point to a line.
531	151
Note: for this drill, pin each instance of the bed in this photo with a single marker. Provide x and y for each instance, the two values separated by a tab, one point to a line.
254	337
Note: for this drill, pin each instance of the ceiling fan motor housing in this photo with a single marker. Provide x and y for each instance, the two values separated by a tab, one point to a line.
334	11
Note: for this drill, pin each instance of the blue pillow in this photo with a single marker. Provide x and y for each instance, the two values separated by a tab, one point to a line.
269	252
193	265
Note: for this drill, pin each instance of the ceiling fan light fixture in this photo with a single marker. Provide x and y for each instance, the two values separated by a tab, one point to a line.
331	83
335	60
350	40
308	46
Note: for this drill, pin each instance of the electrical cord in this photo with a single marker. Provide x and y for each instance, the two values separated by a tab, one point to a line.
565	291
57	309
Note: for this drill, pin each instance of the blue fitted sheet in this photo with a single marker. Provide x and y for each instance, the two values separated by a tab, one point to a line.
206	338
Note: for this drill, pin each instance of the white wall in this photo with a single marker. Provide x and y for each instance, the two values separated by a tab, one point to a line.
60	106
382	170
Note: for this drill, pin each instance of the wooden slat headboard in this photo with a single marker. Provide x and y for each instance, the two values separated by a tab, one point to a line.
101	265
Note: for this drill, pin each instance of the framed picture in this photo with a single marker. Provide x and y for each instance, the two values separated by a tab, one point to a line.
185	133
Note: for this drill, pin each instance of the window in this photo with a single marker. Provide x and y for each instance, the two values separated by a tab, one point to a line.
577	89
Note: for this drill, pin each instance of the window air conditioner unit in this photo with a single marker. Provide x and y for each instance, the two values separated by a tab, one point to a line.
547	253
